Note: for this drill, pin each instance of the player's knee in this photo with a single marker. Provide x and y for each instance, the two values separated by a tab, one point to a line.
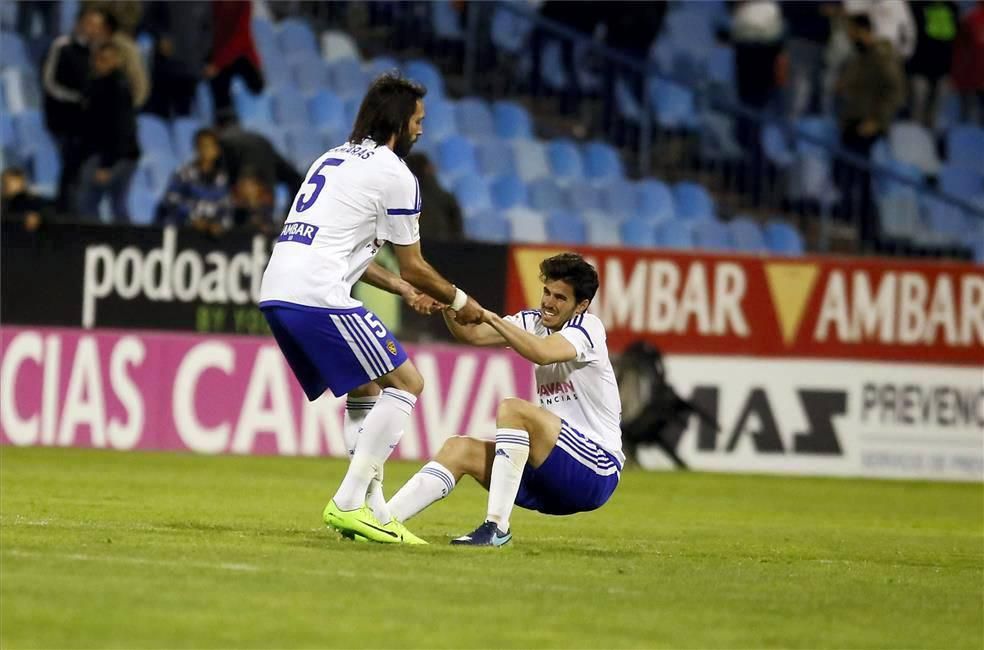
510	410
455	454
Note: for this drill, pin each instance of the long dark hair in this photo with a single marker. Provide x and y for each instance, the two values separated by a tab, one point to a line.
386	109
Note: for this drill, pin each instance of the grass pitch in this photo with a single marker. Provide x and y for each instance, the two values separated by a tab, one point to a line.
103	549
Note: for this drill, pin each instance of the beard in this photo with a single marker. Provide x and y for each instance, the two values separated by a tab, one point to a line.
403	145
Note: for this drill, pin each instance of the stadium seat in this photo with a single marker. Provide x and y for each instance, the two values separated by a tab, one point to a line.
978	252
45	167
13	51
473	195
265	37
531	159
28	127
456	157
474	118
440	121
674	234
445	20
8	136
347	79
337	45
272	132
965	146
289	107
508	191
21	89
546	196
326	110
426	73
783	239
913	143
721	70
183	131
488	226
962	181
899	213
639	233
627	104
141	202
673	105
747	235
602	162
494	157
295	35
382	65
310	76
619	199
566	228
776	147
602	231
655	200
512	121
818	130
711	234
510	31
527	225
692	202
302	149
565	160
944	219
252	108
884	184
811	178
204	106
153	135
157	170
584	197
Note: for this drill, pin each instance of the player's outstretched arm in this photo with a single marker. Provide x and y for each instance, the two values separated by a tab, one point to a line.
482	334
541	351
418	272
381	278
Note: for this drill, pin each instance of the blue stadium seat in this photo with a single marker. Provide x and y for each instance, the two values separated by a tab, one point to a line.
8	136
812	179
674	234
899	213
473	194
508	191
721	69
531	159
309	76
639	233
552	69
510	31
602	231
290	107
45	167
265	37
21	89
347	79
546	196
783	239
602	162
692	202
157	169
964	146
913	143
584	197
141	202
440	121
204	106
494	157
673	105
183	131
28	128
528	225
882	184
474	118
819	128
153	135
337	45
565	160
566	228
712	234
426	73
295	35
272	132
747	235
456	157
252	108
13	51
978	252
302	148
776	147
445	21
383	64
946	220
627	104
655	200
964	182
511	120
488	226
327	110
620	199
351	105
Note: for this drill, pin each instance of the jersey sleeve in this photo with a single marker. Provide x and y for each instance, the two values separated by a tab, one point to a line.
586	333
526	319
400	219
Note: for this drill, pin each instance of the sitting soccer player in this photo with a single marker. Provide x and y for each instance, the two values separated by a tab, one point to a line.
559	457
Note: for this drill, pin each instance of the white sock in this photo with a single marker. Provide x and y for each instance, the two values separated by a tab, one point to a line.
356	410
379	434
432	483
512	449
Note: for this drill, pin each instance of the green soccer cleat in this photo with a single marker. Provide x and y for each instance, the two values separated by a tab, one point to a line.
405	535
358	522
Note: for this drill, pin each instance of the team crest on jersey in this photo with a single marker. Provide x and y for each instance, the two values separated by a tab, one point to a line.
391	346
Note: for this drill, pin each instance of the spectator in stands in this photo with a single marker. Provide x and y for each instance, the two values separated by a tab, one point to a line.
132	60
757	34
936	32
582	17
233	51
183	40
244	149
110	126
440	216
252	201
128	13
65	77
47	15
968	69
17	203
199	193
808	30
892	21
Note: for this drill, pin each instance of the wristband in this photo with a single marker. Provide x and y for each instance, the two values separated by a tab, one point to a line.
460	298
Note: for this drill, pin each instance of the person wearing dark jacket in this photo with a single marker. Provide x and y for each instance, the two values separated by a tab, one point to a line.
17	203
440	216
182	34
110	126
233	51
246	150
65	77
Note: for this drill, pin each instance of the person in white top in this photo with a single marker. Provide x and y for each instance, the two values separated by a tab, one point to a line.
357	197
561	456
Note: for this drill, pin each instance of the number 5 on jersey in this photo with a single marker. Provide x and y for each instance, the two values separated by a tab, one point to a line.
318	180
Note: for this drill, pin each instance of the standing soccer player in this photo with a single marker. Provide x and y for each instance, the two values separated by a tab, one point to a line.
357	197
559	457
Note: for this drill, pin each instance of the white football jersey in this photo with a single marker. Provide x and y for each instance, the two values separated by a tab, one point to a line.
355	198
582	391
